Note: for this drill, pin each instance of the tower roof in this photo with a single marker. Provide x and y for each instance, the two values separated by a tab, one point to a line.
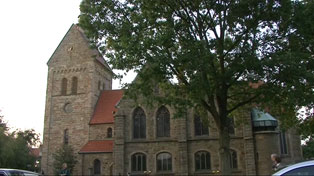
263	119
80	37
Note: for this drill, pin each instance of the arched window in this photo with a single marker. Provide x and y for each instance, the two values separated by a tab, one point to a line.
97	167
138	162
233	159
139	123
74	85
64	85
66	136
202	161
109	132
163	122
164	162
199	127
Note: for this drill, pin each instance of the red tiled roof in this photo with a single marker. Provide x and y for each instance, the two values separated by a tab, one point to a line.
97	147
105	107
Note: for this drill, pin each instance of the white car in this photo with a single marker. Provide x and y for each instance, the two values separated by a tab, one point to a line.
303	168
16	172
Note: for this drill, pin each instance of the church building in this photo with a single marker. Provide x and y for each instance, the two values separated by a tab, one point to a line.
114	135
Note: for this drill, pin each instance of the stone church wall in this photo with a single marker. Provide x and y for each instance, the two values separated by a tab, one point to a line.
105	163
99	132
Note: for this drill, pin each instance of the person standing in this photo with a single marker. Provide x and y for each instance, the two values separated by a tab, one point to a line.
276	162
65	171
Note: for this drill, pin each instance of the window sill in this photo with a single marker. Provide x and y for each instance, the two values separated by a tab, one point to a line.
236	171
164	173
205	172
137	173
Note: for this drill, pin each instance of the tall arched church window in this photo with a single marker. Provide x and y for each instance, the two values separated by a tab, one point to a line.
66	136
202	161
163	122
74	85
64	85
138	162
164	162
139	123
200	128
233	159
97	170
109	132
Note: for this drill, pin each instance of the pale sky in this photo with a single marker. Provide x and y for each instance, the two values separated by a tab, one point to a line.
30	31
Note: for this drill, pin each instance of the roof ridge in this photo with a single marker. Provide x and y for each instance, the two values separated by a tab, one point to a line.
60	43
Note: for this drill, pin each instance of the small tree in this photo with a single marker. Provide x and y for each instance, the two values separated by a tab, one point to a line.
66	155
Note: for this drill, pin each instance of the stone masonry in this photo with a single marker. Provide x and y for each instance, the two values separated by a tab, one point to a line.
71	106
72	58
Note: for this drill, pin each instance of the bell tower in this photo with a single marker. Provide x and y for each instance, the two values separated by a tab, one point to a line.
76	76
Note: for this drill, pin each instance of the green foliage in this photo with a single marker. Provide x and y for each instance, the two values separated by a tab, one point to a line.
215	56
206	51
66	155
15	147
308	149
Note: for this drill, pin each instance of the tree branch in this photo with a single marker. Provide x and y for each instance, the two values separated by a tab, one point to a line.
242	103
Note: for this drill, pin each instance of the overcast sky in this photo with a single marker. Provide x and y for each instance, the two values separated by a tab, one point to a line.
30	31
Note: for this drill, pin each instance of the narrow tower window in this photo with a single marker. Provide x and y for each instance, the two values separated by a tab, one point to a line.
74	85
283	142
66	137
64	85
109	132
99	86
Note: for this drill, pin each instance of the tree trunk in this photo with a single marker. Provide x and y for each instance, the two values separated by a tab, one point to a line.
224	153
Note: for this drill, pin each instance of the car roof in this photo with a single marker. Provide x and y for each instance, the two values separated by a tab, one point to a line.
25	172
294	166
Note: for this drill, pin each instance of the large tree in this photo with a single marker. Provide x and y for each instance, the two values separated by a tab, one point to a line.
216	56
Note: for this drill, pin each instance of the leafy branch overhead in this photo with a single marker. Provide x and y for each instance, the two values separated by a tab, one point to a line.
213	49
217	56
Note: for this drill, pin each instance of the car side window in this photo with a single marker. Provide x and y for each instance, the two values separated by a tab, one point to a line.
16	173
2	174
307	170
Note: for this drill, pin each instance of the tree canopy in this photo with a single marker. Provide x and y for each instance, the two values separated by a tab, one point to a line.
216	56
15	147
